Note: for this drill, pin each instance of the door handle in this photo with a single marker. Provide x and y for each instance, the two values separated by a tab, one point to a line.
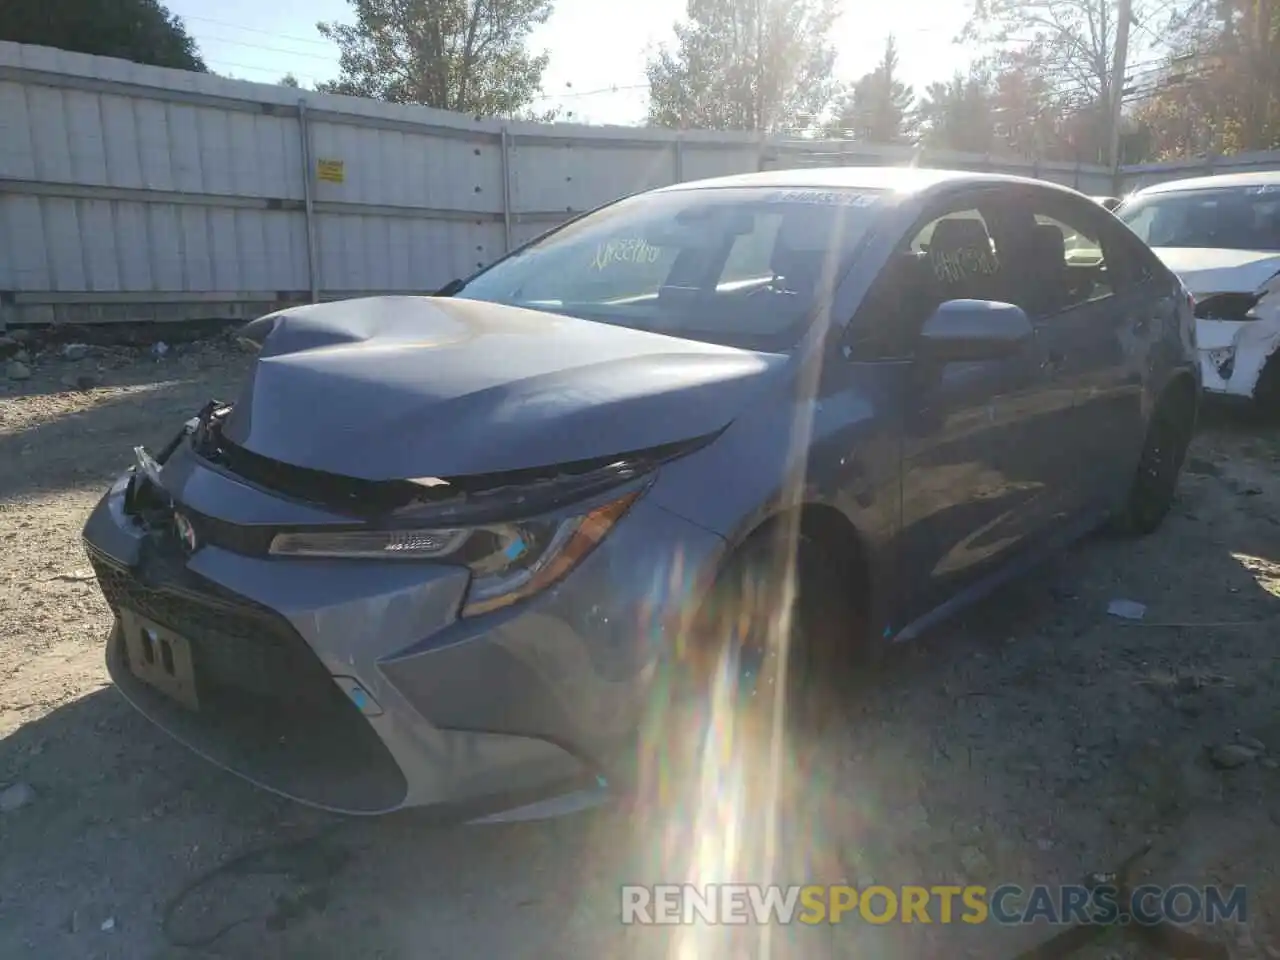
1052	361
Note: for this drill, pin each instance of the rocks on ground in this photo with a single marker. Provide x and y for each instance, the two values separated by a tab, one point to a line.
16	796
1229	756
81	381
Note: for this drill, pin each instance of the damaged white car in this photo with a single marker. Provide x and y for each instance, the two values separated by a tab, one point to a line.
1221	235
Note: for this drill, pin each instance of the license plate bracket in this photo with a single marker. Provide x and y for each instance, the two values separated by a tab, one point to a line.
160	658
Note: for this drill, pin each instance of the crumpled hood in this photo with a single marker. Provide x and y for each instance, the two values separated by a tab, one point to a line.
1207	270
408	387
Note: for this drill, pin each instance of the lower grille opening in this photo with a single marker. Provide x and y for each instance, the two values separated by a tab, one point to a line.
268	708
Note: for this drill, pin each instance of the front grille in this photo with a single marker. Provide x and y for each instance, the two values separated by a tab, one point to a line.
236	645
319	750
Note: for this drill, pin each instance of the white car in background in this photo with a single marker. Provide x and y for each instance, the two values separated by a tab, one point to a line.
1221	235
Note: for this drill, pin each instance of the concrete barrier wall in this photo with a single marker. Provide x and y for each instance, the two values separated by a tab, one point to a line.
130	192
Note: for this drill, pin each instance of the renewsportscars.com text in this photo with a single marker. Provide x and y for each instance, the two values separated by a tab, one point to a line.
1008	904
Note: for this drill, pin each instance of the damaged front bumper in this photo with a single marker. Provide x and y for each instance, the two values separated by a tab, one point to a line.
1237	335
1233	353
354	684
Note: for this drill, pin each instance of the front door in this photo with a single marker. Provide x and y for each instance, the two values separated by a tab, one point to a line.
976	470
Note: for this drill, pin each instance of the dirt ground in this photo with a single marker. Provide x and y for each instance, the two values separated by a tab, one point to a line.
1034	741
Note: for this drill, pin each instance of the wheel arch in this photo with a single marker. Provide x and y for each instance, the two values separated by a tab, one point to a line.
819	526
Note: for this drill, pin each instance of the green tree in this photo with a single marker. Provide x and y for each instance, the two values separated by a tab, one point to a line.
745	65
462	55
289	80
139	30
1073	44
959	114
878	106
1033	117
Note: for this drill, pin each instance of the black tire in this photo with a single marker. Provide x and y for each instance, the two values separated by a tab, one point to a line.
1163	453
797	636
1266	395
728	674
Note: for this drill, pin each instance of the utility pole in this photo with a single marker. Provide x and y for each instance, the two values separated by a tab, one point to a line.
1124	11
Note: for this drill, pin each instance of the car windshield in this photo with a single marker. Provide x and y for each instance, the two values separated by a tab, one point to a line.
1237	218
735	266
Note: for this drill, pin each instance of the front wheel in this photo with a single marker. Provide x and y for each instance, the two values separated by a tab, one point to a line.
764	669
1266	395
784	637
1163	453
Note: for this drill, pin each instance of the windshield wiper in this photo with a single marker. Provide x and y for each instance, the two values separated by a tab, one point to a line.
450	288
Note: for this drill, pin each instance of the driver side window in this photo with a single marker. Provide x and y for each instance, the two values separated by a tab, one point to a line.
953	256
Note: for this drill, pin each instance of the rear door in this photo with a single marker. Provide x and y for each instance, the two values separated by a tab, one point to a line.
1148	303
1079	289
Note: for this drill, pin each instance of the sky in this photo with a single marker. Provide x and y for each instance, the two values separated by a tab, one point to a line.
598	48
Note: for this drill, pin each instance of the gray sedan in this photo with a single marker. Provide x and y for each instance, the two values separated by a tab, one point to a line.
707	446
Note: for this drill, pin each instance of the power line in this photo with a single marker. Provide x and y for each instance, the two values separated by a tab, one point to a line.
592	93
268	33
1148	31
1182	81
1153	62
260	46
1159	10
272	71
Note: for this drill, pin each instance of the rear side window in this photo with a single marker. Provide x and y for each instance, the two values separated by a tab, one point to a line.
1132	262
1062	261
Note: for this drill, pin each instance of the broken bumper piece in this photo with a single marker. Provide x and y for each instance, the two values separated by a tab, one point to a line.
1238	335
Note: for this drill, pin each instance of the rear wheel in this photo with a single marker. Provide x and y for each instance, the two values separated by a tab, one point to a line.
1163	453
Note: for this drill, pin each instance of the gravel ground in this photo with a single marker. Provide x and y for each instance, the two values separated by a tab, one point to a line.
1035	740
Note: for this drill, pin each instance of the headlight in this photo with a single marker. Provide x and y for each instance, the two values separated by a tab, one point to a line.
508	561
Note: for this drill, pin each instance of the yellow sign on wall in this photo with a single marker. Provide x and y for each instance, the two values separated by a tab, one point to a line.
330	170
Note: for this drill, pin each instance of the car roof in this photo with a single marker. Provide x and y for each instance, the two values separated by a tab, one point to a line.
899	180
1255	178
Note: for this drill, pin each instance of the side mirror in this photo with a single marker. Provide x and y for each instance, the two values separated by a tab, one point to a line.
974	330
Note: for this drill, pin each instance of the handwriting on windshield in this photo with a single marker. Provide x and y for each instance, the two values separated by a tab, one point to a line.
633	250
